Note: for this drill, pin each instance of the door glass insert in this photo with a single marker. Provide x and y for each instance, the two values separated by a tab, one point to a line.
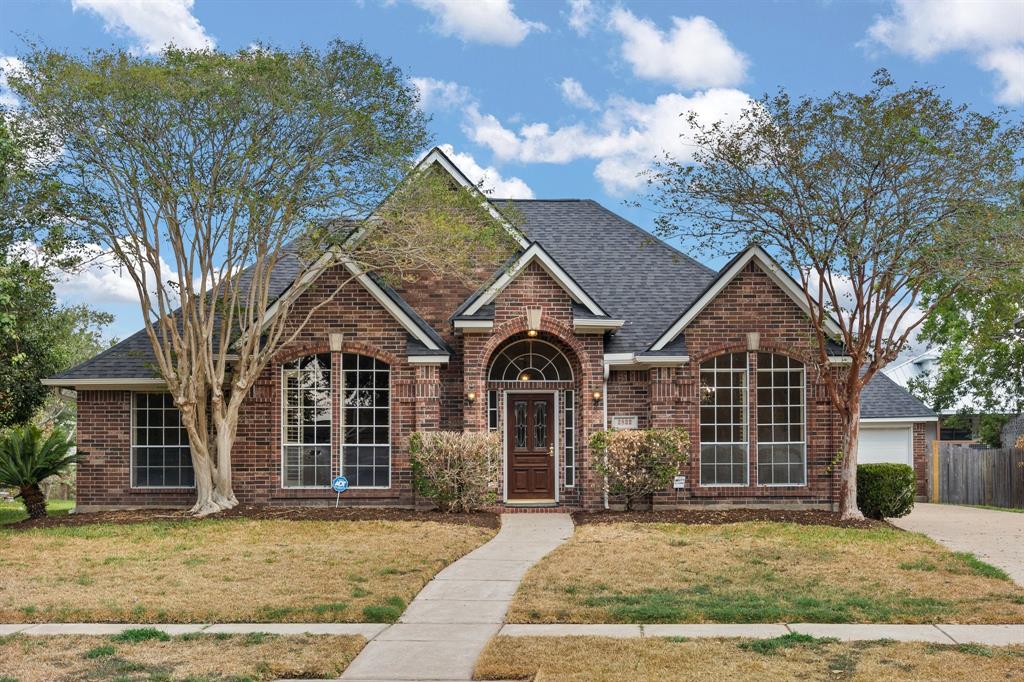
520	424
540	424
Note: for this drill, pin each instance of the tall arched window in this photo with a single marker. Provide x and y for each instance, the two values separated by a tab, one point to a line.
366	444
723	420
781	439
530	360
306	406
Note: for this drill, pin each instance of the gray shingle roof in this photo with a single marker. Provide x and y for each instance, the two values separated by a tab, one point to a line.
630	274
883	398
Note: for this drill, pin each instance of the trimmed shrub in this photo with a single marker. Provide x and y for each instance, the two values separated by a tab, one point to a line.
885	490
639	462
458	471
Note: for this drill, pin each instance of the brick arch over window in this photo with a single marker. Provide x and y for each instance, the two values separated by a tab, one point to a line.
355	347
506	333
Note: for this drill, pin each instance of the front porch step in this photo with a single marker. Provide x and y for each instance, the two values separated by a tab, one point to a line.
543	508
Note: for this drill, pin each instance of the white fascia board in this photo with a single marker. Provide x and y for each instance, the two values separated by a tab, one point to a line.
474	325
785	282
840	360
561	277
631	361
106	383
428	359
440	158
596	326
897	420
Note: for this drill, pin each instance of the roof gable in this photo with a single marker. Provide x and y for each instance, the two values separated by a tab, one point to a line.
726	275
535	253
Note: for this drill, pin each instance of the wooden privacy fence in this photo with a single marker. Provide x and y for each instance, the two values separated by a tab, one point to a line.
965	475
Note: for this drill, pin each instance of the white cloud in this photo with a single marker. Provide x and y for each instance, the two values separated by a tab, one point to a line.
694	53
582	14
991	30
440	95
480	21
493	183
574	94
624	142
102	281
153	23
9	65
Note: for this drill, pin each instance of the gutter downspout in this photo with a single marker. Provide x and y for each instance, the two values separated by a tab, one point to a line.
604	390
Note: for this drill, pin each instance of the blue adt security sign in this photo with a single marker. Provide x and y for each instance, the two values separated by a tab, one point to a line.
340	484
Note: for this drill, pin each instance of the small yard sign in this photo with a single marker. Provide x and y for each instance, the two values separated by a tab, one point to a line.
679	482
340	485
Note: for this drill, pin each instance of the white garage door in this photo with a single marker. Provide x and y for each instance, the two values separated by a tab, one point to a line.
888	444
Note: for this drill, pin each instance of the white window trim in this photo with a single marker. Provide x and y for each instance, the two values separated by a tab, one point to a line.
746	424
575	439
131	458
803	387
557	443
284	429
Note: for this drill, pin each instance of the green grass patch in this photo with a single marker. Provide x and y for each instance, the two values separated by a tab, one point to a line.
788	641
388	612
332	607
704	603
1015	510
100	651
141	635
12	512
918	565
978	567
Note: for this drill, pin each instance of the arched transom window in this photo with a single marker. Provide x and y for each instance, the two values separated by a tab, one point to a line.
530	360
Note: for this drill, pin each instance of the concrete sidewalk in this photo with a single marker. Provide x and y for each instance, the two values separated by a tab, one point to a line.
993	635
447	625
993	536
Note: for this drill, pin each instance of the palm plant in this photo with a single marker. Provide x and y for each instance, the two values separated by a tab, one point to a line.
26	458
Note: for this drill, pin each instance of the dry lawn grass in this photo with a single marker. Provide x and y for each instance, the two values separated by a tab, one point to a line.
597	659
192	657
224	571
760	572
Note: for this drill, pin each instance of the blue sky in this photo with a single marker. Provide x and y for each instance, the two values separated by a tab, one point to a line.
570	99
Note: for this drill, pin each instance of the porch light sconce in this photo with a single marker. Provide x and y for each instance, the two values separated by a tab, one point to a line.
471	397
533	321
524	377
337	340
597	396
753	341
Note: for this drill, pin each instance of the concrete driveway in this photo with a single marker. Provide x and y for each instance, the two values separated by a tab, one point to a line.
993	536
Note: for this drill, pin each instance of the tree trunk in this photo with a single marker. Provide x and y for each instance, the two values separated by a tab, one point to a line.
223	493
35	501
848	508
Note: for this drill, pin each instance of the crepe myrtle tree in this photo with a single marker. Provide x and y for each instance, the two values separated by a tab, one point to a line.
867	199
200	171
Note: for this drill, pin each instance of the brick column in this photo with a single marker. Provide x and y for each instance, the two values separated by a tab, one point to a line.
427	396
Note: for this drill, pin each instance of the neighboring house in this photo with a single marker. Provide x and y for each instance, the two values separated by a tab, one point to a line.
591	324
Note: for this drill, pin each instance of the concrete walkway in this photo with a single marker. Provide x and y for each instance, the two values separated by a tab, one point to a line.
447	625
993	536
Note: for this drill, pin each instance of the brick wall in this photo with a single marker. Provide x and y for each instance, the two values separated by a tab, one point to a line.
921	457
432	397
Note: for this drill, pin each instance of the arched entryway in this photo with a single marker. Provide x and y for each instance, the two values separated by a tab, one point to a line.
532	401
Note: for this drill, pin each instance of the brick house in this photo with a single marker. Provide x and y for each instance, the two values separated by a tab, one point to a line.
593	323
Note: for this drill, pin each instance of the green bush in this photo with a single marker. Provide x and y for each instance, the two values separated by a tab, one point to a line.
27	457
885	490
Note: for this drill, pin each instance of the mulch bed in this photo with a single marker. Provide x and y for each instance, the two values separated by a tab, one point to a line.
806	517
481	519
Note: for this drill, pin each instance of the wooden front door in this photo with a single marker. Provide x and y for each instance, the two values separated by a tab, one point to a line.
530	425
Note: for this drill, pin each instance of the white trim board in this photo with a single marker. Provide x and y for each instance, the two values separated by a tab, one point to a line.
897	420
768	265
536	253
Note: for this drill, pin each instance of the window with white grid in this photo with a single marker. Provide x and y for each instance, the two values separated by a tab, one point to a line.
306	447
569	437
781	443
366	409
492	410
723	420
160	452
